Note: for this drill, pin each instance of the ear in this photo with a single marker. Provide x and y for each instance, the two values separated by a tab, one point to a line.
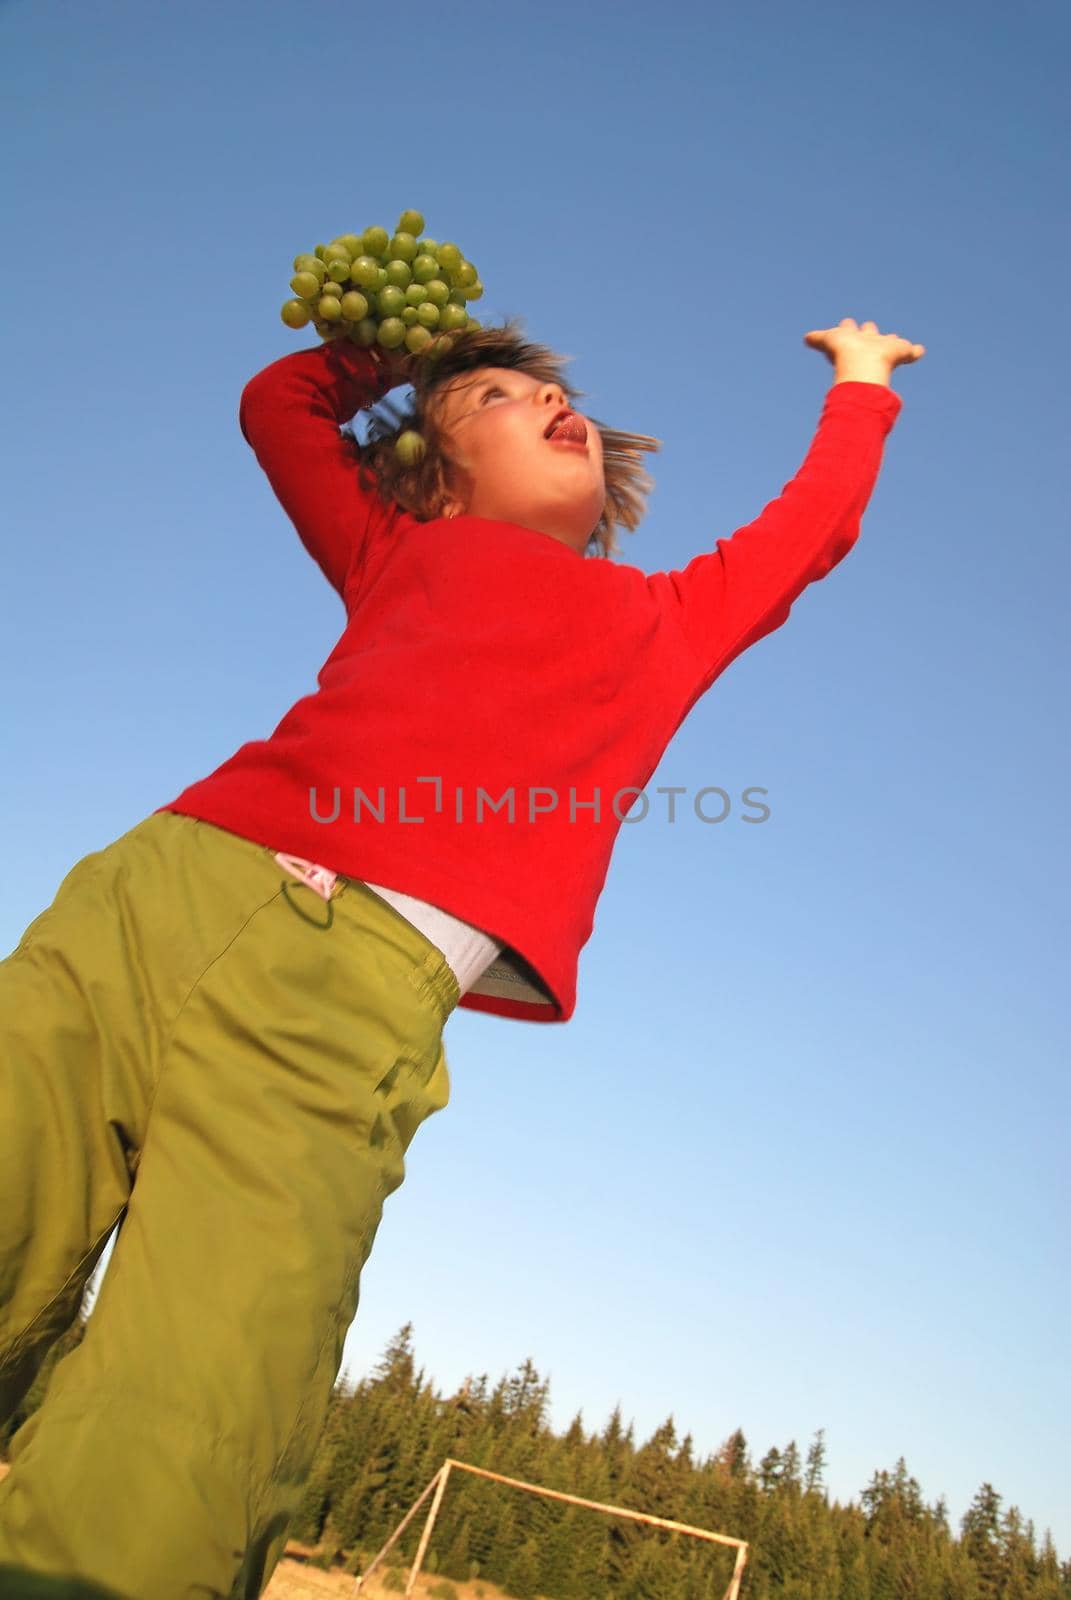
455	487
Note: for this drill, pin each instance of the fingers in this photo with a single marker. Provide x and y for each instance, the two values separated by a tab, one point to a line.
822	337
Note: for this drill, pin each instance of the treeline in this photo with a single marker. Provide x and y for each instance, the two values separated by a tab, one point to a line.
386	1437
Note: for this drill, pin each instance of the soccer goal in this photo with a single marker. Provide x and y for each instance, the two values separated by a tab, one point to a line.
467	1535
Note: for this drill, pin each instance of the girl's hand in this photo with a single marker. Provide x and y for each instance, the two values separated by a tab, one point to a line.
396	365
852	345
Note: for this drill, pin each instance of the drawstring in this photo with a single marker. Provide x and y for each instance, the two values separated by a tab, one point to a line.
321	880
295	907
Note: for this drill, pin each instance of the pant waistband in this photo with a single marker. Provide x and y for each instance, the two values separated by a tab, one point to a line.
434	976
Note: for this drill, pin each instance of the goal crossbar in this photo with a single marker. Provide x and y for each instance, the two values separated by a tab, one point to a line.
438	1483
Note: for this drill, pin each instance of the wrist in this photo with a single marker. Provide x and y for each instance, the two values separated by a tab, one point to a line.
862	372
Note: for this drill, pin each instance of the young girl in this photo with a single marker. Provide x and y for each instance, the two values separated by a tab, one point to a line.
226	1028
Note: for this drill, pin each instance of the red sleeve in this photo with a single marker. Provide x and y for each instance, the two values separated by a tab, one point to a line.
291	413
728	598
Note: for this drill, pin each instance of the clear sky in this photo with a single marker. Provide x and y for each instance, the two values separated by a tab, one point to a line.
800	1158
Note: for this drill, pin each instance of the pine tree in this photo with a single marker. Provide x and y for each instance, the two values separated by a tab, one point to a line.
981	1539
1018	1558
396	1368
574	1434
652	1576
790	1467
557	1554
522	1573
814	1479
770	1470
526	1398
456	1561
732	1457
617	1452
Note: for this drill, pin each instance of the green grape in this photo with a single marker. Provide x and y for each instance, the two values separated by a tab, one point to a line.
390	301
399	273
425	267
410	448
391	333
307	263
402	247
365	272
417	340
391	290
354	306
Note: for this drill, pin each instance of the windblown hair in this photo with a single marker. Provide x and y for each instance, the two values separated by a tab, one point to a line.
424	489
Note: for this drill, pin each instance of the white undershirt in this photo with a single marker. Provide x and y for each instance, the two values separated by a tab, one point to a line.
467	949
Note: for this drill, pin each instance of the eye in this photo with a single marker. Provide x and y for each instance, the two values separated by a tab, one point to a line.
494	389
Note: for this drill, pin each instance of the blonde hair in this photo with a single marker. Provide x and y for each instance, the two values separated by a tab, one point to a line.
425	488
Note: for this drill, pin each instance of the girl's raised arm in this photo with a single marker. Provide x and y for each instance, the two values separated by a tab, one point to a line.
744	588
290	413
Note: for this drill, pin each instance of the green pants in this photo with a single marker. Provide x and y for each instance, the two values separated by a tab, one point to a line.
195	1045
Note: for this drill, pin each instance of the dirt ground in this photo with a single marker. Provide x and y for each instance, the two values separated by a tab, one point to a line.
294	1579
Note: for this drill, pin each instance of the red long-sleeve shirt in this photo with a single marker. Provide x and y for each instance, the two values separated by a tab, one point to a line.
486	656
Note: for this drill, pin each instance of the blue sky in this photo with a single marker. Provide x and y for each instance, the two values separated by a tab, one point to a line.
799	1160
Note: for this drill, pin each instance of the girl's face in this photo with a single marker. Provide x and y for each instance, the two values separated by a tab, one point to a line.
495	421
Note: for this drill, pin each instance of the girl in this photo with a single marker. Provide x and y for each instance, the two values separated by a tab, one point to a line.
226	1028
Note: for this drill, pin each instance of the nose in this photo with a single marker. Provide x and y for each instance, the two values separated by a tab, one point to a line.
552	394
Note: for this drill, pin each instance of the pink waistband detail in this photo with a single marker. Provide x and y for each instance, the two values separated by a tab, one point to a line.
321	880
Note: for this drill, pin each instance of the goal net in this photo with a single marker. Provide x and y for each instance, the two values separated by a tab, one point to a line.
478	1535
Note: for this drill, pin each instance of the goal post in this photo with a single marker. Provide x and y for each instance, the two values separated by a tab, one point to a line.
437	1487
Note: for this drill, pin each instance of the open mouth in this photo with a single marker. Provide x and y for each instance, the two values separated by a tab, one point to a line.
567	428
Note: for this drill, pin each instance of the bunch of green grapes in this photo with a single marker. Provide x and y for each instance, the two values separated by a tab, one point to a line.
388	290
